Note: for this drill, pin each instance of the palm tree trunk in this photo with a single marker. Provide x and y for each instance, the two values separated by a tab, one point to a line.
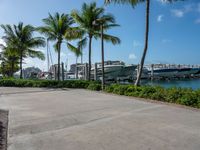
21	58
146	44
76	70
102	57
12	68
59	45
90	50
81	56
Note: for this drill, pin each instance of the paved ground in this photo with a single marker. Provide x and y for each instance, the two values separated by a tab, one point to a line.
45	119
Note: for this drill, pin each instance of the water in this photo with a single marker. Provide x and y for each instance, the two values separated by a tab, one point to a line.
184	83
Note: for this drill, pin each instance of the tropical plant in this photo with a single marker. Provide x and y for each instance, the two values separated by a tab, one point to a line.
86	19
134	3
77	50
10	60
58	28
22	41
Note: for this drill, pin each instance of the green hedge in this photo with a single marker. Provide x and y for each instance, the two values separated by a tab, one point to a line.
47	83
181	96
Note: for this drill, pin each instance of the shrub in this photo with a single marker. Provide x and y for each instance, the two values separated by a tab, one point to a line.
94	86
44	83
181	96
120	89
159	95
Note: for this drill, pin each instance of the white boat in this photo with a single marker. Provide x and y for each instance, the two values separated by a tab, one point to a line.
114	72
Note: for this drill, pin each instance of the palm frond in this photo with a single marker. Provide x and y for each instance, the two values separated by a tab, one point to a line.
75	50
36	54
109	38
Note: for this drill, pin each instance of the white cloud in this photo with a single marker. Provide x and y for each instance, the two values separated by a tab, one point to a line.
177	13
132	56
181	12
136	44
160	18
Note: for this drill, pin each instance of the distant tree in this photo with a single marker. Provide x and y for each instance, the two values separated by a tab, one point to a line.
10	61
22	41
77	50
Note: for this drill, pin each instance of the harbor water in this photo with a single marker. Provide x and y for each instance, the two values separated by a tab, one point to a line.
183	83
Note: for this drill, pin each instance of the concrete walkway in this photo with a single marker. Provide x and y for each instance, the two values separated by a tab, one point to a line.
48	119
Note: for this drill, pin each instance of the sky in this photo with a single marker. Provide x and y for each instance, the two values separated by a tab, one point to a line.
174	30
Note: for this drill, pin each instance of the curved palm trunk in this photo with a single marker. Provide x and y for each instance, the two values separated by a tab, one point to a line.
90	50
146	44
102	58
12	68
59	46
21	58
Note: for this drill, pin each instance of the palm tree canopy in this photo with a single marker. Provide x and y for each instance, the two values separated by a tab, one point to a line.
56	26
8	54
20	39
89	16
132	2
89	13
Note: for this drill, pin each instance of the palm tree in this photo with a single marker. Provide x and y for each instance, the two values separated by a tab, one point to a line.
77	50
57	28
21	39
86	18
134	3
10	57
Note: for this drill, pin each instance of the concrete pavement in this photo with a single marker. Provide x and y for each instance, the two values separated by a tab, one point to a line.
74	119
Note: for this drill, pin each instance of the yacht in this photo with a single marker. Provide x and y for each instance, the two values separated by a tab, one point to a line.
114	71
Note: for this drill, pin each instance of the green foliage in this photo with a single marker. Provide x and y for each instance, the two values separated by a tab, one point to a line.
44	83
94	86
20	43
181	96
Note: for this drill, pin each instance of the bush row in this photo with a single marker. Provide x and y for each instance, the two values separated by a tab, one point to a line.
183	96
50	84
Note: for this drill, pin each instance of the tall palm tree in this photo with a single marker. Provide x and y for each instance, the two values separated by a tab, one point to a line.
21	39
86	18
57	28
134	3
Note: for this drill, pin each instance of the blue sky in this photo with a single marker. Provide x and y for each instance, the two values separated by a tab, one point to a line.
174	29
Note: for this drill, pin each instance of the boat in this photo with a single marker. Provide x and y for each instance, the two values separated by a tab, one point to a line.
114	72
172	72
